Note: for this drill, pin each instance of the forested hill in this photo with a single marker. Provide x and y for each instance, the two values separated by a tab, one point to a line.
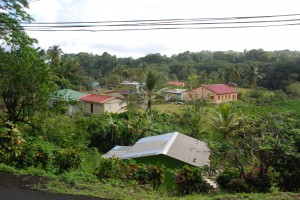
273	69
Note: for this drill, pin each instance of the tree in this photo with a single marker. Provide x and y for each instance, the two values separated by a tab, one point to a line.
150	88
235	73
54	54
12	13
261	146
221	75
192	81
294	90
25	83
224	120
252	75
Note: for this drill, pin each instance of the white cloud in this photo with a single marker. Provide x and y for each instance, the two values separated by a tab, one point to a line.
139	43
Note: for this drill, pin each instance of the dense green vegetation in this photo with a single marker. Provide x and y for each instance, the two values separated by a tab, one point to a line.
273	70
254	142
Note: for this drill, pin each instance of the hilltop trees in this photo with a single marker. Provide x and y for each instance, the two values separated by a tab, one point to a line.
273	70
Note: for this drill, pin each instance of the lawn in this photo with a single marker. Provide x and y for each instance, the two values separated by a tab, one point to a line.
169	108
165	108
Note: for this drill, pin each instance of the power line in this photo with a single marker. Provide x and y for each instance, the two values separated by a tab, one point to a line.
166	24
171	20
164	28
160	24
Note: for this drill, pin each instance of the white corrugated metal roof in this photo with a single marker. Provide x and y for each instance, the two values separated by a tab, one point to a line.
175	145
150	146
117	151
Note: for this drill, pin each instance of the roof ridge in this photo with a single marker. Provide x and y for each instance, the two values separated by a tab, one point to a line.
169	143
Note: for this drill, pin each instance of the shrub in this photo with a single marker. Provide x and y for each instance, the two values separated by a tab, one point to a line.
230	181
288	173
256	182
149	174
67	159
190	180
294	90
44	155
236	185
129	170
260	96
38	153
111	168
226	176
11	142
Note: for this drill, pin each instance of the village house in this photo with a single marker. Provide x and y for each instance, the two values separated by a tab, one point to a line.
69	97
97	104
217	93
176	83
133	84
115	93
174	94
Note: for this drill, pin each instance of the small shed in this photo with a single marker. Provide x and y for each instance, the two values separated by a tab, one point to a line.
97	104
175	94
171	149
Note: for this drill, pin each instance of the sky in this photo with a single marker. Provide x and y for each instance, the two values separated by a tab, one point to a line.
166	42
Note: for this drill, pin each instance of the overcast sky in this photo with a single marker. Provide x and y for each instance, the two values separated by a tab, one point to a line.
166	42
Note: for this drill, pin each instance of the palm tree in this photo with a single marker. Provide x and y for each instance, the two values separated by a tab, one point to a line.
54	54
221	75
224	120
252	75
213	77
235	73
149	91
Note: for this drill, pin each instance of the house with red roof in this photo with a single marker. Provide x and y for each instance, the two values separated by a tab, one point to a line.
97	104
217	93
176	83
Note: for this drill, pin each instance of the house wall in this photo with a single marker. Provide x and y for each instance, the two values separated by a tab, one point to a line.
225	97
175	96
73	109
87	107
114	106
202	92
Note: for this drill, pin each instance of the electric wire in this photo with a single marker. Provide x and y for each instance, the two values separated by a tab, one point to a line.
165	24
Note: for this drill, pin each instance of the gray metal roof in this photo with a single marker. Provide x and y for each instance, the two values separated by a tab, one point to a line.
173	91
175	145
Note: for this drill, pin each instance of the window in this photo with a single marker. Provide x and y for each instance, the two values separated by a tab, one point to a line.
218	97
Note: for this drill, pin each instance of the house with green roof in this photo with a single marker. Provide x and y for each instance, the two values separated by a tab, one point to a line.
68	96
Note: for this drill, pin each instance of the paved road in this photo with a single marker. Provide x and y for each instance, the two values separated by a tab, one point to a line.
14	187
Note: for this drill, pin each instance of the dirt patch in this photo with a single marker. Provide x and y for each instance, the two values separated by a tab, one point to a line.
21	181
